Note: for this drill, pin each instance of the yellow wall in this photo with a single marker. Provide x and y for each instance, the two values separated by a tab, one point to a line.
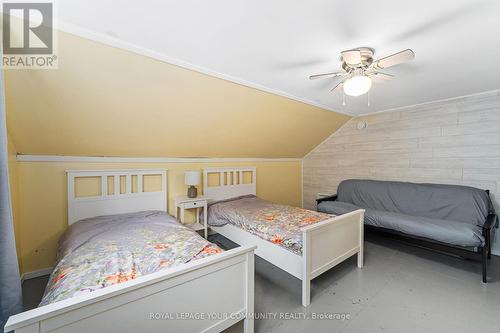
104	101
42	193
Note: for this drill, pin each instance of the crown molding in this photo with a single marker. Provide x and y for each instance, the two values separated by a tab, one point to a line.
131	47
104	159
120	44
456	99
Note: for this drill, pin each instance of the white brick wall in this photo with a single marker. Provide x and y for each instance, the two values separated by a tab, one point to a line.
452	142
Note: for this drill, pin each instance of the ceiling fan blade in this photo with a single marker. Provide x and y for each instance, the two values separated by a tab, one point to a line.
351	57
380	77
320	76
387	75
337	86
395	59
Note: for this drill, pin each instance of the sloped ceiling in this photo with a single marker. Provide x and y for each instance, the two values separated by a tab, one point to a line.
279	43
104	101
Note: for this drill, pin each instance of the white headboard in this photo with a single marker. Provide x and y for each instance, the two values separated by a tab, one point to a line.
116	202
231	182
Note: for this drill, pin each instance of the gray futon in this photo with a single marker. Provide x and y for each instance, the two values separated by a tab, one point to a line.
449	215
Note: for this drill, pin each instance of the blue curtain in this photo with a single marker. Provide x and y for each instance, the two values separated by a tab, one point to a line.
10	283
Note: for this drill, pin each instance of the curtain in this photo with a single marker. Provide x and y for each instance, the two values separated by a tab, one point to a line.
10	283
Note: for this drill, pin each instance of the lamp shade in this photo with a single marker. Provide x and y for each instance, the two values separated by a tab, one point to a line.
357	85
192	177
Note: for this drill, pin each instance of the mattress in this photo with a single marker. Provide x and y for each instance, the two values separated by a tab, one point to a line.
98	252
276	223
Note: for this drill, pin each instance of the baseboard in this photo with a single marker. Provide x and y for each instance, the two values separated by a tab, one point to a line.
35	274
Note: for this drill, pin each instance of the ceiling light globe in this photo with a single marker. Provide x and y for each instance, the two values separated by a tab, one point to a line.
357	85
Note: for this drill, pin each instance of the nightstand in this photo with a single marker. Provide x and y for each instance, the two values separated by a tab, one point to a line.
183	203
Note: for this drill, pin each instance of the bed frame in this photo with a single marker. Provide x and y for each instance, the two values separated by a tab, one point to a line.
325	244
218	289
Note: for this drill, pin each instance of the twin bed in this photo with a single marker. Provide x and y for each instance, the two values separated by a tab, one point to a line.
303	243
125	265
135	269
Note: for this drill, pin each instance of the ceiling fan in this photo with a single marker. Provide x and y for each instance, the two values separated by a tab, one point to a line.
359	69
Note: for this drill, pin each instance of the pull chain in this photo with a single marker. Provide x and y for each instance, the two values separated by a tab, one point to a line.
343	98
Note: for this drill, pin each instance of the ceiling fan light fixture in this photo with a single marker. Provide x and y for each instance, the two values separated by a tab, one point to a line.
357	85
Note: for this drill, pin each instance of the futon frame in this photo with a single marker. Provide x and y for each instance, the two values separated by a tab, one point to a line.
482	253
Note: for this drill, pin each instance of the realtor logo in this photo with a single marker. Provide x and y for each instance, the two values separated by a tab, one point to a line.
28	35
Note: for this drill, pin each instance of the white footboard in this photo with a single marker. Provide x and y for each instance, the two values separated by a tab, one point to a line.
327	244
207	295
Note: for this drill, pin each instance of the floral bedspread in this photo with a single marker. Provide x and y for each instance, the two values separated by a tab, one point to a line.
276	223
99	252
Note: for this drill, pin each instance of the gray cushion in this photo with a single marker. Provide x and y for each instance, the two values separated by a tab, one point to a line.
445	231
436	201
336	207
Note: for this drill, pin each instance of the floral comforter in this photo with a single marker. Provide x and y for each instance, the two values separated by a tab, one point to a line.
98	252
276	223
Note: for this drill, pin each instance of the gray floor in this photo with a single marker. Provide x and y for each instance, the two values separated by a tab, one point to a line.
400	289
33	291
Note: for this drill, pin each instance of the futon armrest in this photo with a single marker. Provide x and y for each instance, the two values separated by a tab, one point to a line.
491	222
328	198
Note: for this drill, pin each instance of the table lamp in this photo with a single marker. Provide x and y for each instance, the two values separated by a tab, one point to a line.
192	178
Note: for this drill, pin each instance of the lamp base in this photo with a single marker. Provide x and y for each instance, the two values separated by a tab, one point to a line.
192	192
